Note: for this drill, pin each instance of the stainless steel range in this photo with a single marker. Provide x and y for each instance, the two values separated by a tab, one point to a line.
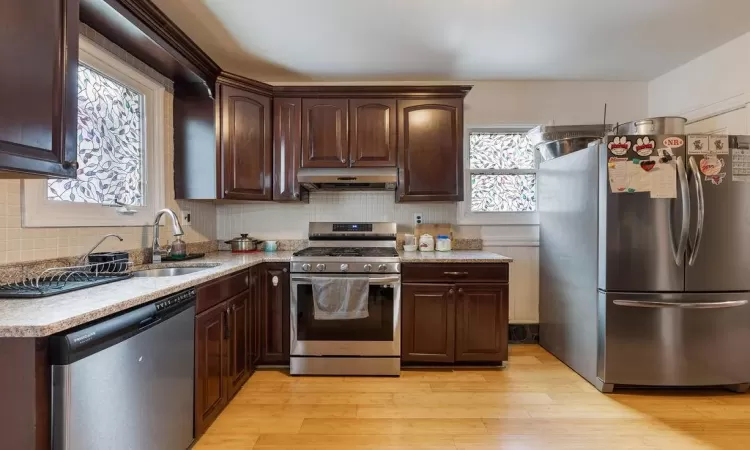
361	346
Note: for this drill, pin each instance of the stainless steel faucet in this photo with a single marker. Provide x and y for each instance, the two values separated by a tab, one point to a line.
176	231
82	259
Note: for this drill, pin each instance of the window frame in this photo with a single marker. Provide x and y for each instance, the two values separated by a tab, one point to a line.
465	216
39	211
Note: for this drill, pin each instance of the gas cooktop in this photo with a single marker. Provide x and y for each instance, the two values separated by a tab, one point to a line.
364	252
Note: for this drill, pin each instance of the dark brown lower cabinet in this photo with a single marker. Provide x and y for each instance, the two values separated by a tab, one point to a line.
274	314
428	318
210	366
223	339
464	321
239	341
482	322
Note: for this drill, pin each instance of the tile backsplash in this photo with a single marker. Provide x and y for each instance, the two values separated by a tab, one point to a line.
289	221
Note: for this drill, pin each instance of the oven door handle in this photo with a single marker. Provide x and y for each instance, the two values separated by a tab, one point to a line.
372	280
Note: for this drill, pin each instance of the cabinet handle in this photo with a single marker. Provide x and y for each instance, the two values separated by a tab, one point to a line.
227	333
247	280
456	274
275	281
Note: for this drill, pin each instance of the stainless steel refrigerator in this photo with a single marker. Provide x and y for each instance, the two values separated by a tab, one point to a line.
636	290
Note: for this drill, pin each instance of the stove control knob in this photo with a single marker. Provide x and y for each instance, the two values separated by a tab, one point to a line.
382	267
345	267
367	267
306	267
321	267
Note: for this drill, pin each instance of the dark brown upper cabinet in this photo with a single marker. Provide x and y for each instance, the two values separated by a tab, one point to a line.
372	132
430	150
325	132
38	88
287	124
246	154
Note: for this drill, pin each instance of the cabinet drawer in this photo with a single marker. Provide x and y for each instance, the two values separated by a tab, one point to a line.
215	292
447	272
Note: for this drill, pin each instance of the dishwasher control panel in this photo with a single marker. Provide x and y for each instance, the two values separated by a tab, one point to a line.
174	300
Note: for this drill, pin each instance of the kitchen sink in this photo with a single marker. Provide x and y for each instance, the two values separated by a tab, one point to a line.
168	272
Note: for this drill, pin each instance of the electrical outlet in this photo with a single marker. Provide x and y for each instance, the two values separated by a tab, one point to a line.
186	218
418	218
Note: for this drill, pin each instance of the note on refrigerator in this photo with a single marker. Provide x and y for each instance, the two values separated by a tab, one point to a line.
664	180
639	179
617	170
740	165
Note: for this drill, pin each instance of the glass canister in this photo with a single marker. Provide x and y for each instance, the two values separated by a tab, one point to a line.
443	243
179	248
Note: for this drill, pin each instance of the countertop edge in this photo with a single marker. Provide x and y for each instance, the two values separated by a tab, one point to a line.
45	330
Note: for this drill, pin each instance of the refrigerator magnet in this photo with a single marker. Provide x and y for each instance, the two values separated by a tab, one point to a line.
697	144
619	146
644	146
718	144
711	167
673	142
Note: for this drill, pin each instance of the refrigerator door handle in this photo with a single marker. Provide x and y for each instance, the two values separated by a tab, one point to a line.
658	304
679	252
695	245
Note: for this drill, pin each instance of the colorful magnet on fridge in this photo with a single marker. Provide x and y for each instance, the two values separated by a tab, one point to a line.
644	146
631	190
716	179
619	145
648	165
711	166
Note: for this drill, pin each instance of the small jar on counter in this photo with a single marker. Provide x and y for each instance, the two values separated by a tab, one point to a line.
426	243
443	243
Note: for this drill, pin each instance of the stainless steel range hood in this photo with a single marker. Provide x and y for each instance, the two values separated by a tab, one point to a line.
380	179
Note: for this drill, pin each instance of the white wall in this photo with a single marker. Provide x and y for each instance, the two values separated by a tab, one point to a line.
490	103
713	83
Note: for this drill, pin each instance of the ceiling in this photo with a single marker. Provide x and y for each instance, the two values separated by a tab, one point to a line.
329	40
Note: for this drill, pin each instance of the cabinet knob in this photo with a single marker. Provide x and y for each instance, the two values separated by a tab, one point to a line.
247	280
285	270
70	165
343	160
460	291
451	291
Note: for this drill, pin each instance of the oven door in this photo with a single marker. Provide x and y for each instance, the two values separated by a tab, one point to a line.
377	335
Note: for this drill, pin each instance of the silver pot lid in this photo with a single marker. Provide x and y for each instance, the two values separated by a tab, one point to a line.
243	238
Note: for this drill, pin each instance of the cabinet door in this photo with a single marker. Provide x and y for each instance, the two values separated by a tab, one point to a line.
372	137
325	132
210	366
287	123
428	313
39	87
245	145
238	364
482	322
275	338
430	155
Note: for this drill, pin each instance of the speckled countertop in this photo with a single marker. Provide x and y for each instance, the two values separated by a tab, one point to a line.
459	256
50	315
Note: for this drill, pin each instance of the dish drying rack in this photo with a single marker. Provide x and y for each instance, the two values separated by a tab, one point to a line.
58	280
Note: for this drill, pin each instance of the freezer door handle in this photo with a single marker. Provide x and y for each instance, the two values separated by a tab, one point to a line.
686	305
679	252
695	245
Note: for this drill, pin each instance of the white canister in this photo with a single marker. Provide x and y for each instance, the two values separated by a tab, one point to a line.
443	243
426	243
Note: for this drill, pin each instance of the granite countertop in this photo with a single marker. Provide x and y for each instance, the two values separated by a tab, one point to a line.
458	256
45	316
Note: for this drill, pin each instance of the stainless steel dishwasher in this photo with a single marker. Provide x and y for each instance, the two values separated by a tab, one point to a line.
126	382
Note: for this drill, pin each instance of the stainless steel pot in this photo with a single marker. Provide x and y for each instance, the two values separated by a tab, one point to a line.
244	244
561	147
654	125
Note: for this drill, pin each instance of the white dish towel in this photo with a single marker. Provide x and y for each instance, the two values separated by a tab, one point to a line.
340	298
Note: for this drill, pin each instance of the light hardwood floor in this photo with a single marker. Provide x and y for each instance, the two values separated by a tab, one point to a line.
534	403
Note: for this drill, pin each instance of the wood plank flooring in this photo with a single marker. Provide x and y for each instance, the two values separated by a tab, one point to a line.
534	403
